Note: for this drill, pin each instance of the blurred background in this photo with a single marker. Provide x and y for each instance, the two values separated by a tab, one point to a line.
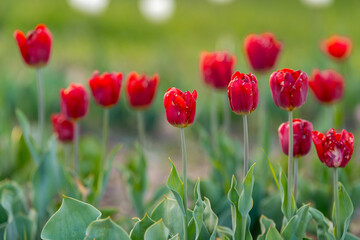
167	37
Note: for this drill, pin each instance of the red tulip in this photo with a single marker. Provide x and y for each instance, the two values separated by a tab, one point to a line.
74	101
35	48
262	51
334	149
243	93
337	47
289	88
106	88
217	68
328	86
63	128
302	137
141	90
180	107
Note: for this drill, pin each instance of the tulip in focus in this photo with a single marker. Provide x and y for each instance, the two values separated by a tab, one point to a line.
35	47
328	86
180	107
262	51
217	68
141	90
337	47
106	88
74	101
243	93
334	149
63	128
289	88
301	140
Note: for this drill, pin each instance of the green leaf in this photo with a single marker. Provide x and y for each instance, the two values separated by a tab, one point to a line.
198	210
157	231
224	232
296	227
283	193
105	229
273	234
210	220
265	224
108	166
245	199
272	171
349	236
175	184
346	210
138	231
324	225
70	221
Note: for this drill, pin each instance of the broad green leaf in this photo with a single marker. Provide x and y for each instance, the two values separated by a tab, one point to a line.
265	224
157	231
346	210
283	193
210	220
169	211
105	229
70	221
273	234
198	210
224	232
138	231
233	194
350	236
296	227
324	225
175	184
245	200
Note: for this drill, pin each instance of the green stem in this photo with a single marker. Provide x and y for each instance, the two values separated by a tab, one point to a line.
227	119
184	161
213	121
290	165
141	129
76	147
336	201
246	146
102	160
243	228
41	109
296	164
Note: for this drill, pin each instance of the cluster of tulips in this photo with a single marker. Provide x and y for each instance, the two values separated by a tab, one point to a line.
289	90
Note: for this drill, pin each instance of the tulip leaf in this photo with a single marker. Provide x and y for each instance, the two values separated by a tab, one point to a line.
210	219
245	200
169	211
283	194
198	210
324	225
176	237
350	236
108	167
273	234
224	232
104	229
296	227
175	184
265	224
346	210
138	231
70	221
157	231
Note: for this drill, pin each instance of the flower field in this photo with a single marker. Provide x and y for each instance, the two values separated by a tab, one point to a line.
183	120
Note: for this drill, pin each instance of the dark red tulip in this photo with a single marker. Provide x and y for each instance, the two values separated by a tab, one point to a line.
334	149
262	51
289	88
328	86
74	101
217	68
180	107
243	93
35	47
302	137
63	128
337	47
106	88
141	90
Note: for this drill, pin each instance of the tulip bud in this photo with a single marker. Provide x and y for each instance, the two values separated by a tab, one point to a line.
328	86
302	137
74	101
217	68
180	107
337	47
289	88
262	51
334	149
141	90
243	93
35	48
106	88
63	128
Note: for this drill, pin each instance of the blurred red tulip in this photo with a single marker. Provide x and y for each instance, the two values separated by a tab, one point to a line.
262	51
35	48
63	128
217	68
289	88
180	107
106	88
334	149
74	101
141	90
337	47
302	137
243	93
328	86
